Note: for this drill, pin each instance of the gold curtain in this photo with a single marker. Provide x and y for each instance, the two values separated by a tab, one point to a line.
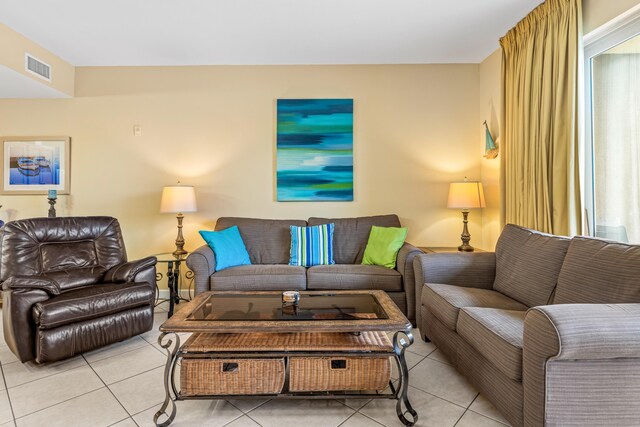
540	58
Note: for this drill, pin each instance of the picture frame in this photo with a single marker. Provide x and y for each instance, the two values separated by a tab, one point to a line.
35	165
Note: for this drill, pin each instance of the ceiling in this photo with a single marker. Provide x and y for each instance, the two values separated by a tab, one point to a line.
234	32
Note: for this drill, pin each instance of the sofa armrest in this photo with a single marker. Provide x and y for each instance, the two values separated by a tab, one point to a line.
128	271
202	262
46	284
579	353
404	265
468	269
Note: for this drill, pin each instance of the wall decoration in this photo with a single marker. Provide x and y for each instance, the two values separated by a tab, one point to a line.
314	150
491	150
35	165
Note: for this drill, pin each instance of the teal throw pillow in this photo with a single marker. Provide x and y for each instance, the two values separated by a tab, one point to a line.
312	245
383	246
228	247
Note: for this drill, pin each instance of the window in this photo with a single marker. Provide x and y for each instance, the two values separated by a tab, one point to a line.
612	137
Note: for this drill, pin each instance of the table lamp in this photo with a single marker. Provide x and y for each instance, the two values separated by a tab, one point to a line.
178	199
466	195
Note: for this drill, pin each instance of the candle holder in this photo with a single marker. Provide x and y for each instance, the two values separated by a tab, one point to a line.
52	208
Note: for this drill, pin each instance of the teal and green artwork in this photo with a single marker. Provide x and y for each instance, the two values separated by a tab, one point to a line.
314	150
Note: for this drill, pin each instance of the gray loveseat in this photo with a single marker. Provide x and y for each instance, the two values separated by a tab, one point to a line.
548	328
268	242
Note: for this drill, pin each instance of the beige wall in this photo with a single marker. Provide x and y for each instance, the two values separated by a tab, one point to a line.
415	130
598	12
490	106
12	54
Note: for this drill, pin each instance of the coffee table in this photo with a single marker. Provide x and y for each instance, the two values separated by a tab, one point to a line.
339	327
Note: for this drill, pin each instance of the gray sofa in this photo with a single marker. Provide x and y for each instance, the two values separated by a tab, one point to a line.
547	327
268	242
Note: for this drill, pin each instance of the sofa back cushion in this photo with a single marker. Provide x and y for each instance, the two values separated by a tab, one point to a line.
350	235
599	272
268	241
528	263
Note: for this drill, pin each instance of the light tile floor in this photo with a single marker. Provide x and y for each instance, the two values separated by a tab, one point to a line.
121	385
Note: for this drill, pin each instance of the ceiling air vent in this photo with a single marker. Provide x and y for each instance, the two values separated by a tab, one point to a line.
37	67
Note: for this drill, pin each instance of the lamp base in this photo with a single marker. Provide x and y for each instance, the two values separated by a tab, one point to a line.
179	252
465	236
466	248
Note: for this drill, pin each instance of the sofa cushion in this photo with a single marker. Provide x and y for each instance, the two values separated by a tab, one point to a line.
260	278
268	241
357	276
445	301
497	335
91	302
598	271
228	247
528	264
351	234
312	245
383	246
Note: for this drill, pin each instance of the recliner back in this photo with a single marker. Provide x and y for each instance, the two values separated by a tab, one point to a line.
74	251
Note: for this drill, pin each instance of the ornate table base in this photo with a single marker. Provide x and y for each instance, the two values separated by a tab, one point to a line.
170	341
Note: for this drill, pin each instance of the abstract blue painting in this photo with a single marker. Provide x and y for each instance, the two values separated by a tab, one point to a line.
314	150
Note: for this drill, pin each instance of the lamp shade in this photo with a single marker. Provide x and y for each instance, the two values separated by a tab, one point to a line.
466	195
178	199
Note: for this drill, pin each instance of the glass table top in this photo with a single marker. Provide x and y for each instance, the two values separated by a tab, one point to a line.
269	307
169	257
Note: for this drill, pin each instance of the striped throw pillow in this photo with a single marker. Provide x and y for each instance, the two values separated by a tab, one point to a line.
312	245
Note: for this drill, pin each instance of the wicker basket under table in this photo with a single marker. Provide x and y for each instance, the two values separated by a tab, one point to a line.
304	364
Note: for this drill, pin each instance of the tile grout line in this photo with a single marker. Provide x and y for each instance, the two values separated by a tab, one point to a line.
119	421
489	417
41	378
107	387
132	376
348	418
145	342
63	401
6	390
367	416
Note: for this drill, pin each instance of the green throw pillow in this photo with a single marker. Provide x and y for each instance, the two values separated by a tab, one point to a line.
383	246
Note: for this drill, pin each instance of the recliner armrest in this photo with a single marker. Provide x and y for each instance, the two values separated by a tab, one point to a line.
46	284
127	272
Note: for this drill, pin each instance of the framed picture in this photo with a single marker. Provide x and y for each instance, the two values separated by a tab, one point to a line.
314	150
35	165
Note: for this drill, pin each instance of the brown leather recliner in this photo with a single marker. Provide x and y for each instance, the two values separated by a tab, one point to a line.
68	288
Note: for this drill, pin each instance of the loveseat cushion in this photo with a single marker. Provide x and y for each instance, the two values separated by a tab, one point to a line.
268	241
445	301
528	264
497	335
598	271
350	235
259	278
91	302
357	276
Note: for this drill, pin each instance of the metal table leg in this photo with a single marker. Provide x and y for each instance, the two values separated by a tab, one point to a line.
400	344
171	393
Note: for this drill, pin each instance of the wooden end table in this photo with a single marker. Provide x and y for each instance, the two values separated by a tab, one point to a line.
345	314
